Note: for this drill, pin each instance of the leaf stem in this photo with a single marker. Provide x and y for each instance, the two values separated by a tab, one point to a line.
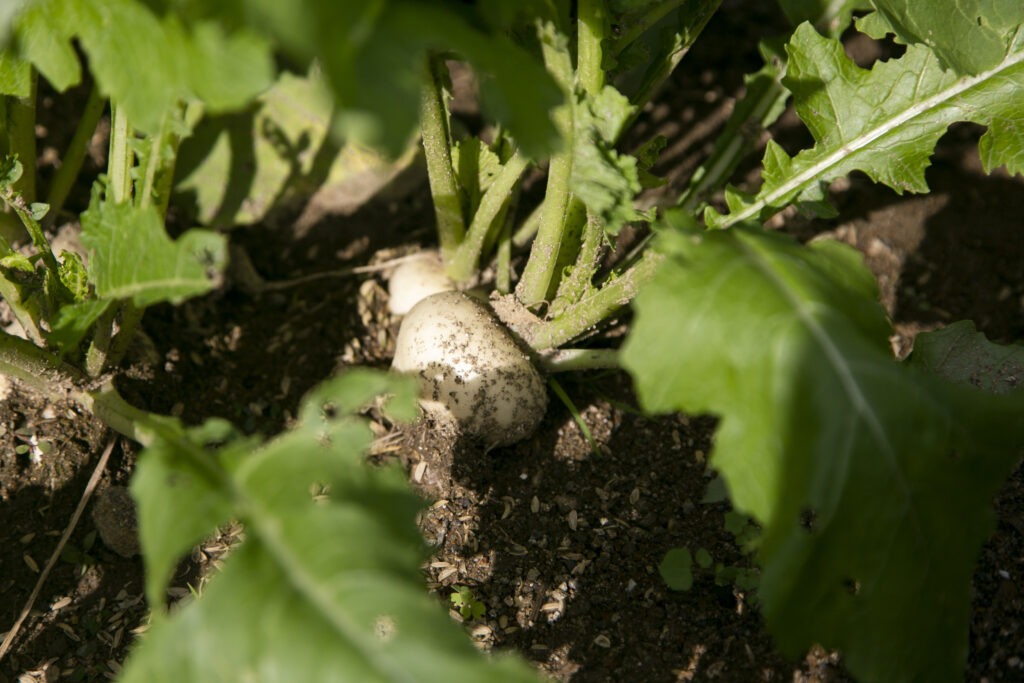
663	66
592	28
44	373
536	283
437	149
640	25
120	159
569	360
145	197
21	136
503	274
131	316
35	231
464	262
74	156
574	287
593	309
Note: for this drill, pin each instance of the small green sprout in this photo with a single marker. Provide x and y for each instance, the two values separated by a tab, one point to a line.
467	605
677	567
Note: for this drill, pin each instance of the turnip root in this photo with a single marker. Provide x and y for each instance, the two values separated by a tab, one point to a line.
416	279
471	371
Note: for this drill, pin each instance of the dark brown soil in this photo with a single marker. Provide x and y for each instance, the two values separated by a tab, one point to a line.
560	542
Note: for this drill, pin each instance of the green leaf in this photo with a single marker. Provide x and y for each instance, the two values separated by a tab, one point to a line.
476	166
961	354
15	75
74	275
676	569
140	61
884	121
130	256
10	171
872	482
38	210
239	166
72	322
968	36
604	180
823	14
18	261
319	590
178	504
372	55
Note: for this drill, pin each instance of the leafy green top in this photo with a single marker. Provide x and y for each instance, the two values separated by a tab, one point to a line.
871	480
883	121
323	588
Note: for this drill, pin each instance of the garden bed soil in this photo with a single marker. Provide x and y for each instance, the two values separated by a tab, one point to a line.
560	541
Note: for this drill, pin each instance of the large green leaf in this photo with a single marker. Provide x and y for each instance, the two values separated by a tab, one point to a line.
131	256
236	167
884	121
969	36
373	55
143	62
960	353
319	590
872	482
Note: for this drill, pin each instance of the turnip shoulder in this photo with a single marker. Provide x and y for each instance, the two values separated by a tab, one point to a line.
416	279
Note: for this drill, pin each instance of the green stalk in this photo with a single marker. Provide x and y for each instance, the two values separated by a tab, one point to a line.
44	373
120	159
437	150
190	115
665	64
528	229
570	360
640	26
536	283
145	197
131	316
96	354
503	275
592	28
21	137
35	231
33	366
574	287
71	162
24	316
465	259
125	419
596	307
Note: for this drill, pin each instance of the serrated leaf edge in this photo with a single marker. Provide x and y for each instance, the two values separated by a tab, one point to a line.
864	139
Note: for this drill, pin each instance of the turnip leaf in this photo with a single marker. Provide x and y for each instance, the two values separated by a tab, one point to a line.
132	257
872	481
884	121
605	180
324	589
968	36
142	61
960	353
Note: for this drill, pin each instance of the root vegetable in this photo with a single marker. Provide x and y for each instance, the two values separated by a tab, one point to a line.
470	369
415	280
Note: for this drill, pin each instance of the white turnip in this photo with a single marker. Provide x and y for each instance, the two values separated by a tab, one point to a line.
471	371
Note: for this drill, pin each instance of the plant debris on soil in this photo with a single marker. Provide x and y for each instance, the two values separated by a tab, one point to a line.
559	541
